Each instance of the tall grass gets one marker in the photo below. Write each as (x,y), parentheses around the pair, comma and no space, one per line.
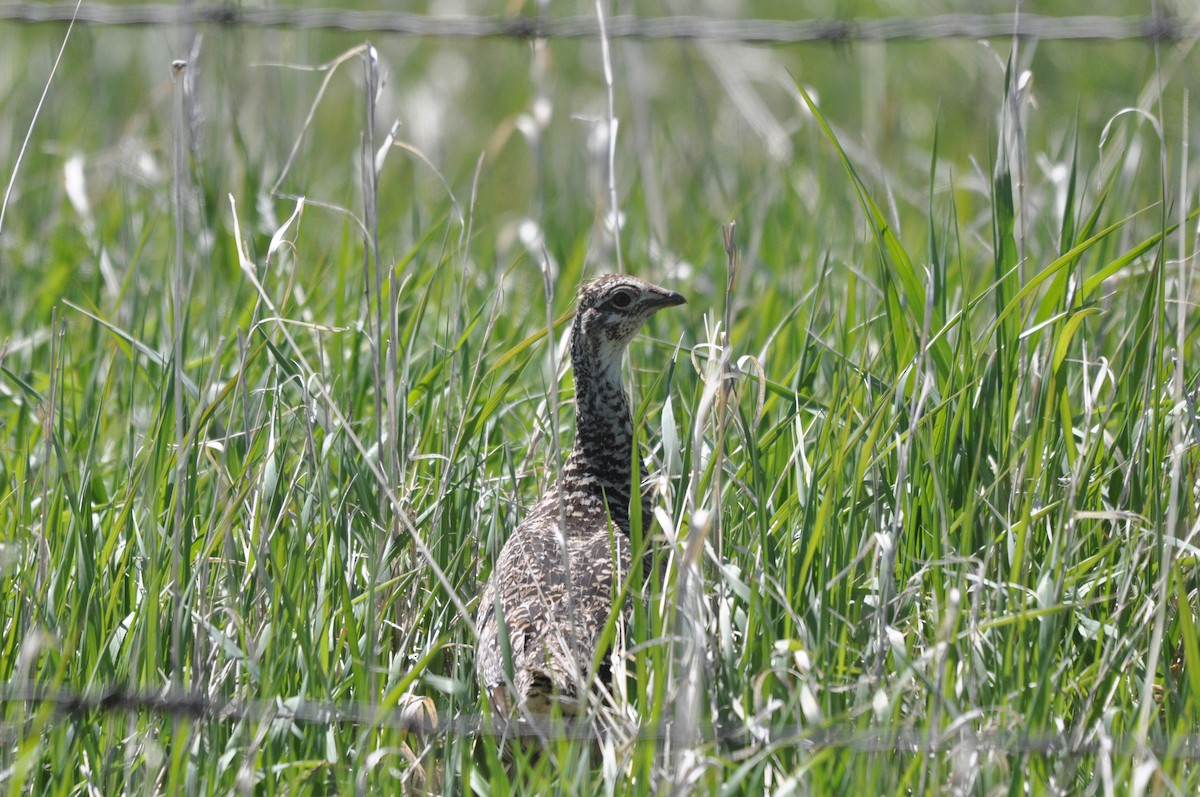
(925,447)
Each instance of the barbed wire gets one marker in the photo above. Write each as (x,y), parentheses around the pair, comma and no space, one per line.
(417,715)
(1155,27)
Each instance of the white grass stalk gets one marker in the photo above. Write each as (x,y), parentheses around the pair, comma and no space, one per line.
(37,110)
(614,209)
(180,295)
(1145,762)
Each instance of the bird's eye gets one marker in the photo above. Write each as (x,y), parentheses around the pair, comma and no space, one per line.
(622,300)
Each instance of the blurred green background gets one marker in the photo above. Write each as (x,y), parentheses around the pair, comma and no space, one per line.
(707,130)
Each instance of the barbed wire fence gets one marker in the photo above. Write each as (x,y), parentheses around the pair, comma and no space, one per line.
(1157,27)
(420,718)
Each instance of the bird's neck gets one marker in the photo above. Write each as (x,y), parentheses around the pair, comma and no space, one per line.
(599,466)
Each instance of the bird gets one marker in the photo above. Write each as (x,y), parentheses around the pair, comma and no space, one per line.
(550,593)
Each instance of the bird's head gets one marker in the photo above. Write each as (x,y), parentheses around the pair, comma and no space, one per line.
(613,308)
(611,311)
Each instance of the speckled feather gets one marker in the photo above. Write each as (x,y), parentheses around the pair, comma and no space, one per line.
(553,635)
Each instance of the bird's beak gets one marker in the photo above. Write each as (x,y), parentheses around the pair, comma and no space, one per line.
(669,299)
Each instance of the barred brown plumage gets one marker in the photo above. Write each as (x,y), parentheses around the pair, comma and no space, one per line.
(551,594)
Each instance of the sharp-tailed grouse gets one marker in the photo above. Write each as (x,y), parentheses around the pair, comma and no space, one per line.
(551,594)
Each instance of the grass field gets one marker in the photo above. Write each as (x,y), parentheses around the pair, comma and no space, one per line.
(926,468)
